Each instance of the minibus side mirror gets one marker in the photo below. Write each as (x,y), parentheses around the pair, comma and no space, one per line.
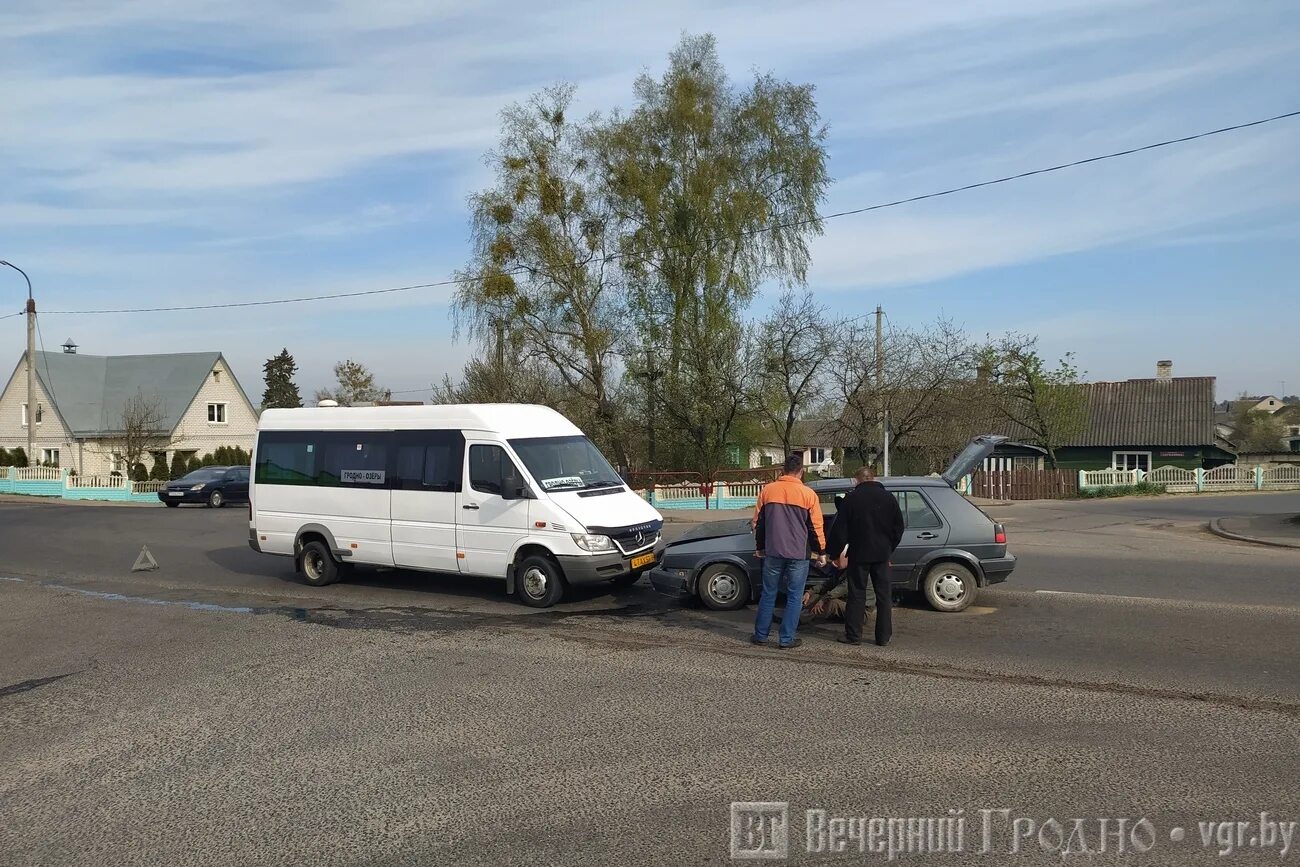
(512,487)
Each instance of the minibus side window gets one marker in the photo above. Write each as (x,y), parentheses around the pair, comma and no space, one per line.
(286,458)
(352,459)
(429,460)
(488,465)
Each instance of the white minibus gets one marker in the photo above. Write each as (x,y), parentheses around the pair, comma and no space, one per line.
(498,490)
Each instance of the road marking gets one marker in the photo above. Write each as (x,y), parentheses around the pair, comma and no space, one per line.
(1288,610)
(1109,596)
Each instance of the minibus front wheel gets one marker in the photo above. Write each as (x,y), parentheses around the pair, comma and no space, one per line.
(539,581)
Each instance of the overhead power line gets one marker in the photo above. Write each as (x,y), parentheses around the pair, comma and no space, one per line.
(782,225)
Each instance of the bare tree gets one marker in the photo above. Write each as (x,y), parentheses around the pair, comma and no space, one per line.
(791,358)
(144,429)
(917,384)
(489,380)
(355,384)
(1045,406)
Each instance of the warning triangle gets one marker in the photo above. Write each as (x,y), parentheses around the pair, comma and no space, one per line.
(145,562)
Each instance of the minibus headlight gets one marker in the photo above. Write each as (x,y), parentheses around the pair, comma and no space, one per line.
(593,543)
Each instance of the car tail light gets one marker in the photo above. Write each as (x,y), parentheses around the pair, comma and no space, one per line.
(999,534)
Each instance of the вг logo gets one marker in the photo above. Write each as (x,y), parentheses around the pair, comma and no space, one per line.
(760,830)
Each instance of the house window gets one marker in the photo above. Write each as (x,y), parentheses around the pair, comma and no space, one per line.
(1131,461)
(40,414)
(816,456)
(49,457)
(116,463)
(733,456)
(216,413)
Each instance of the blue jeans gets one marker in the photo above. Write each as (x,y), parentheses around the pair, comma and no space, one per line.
(778,572)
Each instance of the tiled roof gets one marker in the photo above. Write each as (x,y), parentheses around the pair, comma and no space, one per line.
(1149,412)
(90,391)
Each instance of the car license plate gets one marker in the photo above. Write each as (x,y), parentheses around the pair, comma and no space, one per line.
(643,560)
(175,493)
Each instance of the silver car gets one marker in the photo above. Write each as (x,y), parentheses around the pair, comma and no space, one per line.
(950,548)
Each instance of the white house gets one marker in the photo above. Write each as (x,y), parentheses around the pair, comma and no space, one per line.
(80,403)
(815,440)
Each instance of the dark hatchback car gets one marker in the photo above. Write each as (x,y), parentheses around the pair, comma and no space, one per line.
(212,486)
(949,550)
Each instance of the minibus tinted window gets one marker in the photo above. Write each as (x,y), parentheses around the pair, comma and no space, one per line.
(352,459)
(565,463)
(332,459)
(429,460)
(286,458)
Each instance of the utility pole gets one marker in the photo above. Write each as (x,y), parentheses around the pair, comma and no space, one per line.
(31,365)
(880,388)
(650,377)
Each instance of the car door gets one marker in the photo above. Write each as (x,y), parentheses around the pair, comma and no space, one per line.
(490,525)
(925,530)
(237,487)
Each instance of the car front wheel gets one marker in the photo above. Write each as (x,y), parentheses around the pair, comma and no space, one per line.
(949,587)
(216,500)
(723,588)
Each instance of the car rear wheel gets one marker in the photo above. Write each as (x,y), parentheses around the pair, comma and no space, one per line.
(216,500)
(723,588)
(949,587)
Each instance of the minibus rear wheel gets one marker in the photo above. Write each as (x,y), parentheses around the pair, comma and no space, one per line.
(317,565)
(539,581)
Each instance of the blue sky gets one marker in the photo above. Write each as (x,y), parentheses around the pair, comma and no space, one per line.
(158,152)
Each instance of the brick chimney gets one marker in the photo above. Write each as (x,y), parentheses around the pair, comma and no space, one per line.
(1164,369)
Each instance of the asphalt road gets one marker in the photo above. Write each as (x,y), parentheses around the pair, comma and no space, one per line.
(218,712)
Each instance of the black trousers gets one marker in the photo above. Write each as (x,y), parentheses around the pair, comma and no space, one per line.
(855,611)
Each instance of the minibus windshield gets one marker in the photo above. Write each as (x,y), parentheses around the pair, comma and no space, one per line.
(569,463)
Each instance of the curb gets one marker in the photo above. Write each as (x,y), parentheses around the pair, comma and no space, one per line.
(1217,529)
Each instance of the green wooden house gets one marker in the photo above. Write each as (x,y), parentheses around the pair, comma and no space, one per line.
(1147,423)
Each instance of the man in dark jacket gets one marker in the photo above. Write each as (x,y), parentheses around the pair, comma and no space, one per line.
(870,525)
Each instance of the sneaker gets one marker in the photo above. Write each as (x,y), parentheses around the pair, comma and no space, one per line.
(845,640)
(795,643)
(754,639)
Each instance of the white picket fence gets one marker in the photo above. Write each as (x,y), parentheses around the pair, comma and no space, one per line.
(108,481)
(1175,480)
(669,493)
(741,489)
(38,474)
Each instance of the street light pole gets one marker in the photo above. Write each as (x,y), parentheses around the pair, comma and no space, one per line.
(31,365)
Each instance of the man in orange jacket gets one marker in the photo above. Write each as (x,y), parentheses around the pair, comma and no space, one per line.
(787,532)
